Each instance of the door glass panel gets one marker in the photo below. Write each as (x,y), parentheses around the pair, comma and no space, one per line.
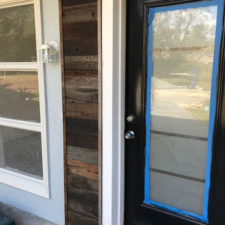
(180,106)
(19,96)
(17,34)
(20,151)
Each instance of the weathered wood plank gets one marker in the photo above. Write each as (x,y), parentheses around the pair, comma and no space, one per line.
(75,2)
(82,140)
(81,89)
(84,203)
(82,126)
(80,39)
(81,48)
(83,196)
(80,13)
(80,31)
(82,133)
(82,110)
(81,63)
(80,219)
(79,182)
(71,74)
(82,169)
(82,154)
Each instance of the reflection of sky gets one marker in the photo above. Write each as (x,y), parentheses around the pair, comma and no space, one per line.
(213,11)
(207,16)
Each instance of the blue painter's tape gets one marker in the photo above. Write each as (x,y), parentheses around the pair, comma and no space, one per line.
(152,11)
(186,6)
(178,211)
(148,105)
(213,97)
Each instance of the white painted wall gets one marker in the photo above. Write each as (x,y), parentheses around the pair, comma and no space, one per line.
(50,209)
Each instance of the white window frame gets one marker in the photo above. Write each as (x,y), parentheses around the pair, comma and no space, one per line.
(17,180)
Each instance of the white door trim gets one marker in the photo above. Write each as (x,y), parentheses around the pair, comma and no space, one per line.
(113,111)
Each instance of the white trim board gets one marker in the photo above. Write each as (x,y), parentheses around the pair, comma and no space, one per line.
(113,103)
(24,182)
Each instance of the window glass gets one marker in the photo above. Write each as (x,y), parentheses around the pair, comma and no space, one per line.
(20,151)
(181,77)
(19,95)
(17,34)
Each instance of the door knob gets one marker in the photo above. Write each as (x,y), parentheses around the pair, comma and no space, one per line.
(129,135)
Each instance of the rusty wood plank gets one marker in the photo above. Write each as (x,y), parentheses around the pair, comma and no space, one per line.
(82,169)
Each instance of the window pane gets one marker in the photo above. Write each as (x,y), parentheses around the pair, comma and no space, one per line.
(17,34)
(19,96)
(177,192)
(20,151)
(182,64)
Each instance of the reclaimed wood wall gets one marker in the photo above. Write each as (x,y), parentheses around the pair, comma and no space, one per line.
(80,53)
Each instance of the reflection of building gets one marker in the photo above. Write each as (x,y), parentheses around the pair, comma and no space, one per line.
(201,57)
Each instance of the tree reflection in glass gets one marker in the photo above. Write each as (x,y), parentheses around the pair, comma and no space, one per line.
(17,34)
(182,58)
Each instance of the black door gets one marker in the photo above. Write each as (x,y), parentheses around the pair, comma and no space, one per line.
(175,113)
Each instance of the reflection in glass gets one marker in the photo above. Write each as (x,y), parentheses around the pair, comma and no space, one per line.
(19,96)
(20,151)
(17,34)
(182,63)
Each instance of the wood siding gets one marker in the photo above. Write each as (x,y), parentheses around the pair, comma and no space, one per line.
(80,38)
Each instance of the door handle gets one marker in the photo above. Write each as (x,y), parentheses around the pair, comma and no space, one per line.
(129,135)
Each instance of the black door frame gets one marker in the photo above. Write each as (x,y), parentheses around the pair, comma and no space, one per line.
(135,211)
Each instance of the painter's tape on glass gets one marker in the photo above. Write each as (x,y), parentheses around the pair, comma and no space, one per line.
(183,52)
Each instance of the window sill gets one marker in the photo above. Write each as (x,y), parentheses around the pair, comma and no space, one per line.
(24,183)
